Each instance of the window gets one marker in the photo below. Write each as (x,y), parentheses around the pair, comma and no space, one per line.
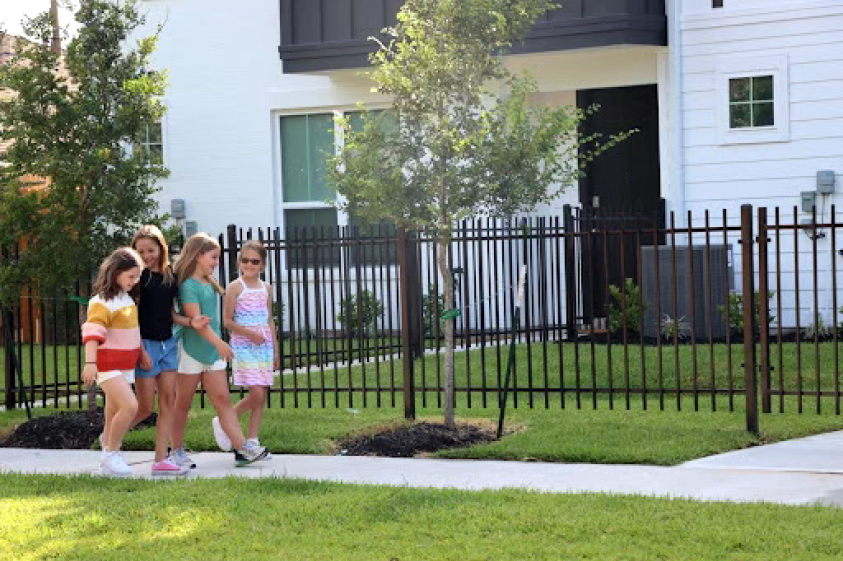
(751,102)
(307,198)
(305,142)
(152,144)
(307,229)
(717,3)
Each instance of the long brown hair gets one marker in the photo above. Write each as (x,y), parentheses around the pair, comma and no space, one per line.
(120,260)
(152,232)
(198,244)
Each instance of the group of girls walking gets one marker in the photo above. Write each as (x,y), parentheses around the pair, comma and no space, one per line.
(157,326)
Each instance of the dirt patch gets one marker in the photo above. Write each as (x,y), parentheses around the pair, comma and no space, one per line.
(412,440)
(74,430)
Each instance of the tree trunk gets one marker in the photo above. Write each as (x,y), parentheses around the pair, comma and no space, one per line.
(448,281)
(55,43)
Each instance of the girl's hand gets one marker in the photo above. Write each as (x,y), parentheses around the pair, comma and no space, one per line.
(276,363)
(199,322)
(89,374)
(145,360)
(255,337)
(224,349)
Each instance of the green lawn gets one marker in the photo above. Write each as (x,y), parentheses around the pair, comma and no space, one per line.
(84,518)
(604,430)
(593,436)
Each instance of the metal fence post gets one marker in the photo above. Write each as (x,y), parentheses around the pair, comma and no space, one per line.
(763,311)
(406,333)
(570,273)
(231,241)
(748,274)
(8,357)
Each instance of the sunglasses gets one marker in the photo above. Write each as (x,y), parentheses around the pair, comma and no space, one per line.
(245,260)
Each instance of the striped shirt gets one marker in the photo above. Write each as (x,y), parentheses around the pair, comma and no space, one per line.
(114,323)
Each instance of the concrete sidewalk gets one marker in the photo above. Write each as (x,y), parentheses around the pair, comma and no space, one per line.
(804,471)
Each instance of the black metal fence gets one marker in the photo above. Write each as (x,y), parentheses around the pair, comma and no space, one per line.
(620,311)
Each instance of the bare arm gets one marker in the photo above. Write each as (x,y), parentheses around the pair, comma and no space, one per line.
(194,322)
(275,345)
(191,311)
(228,306)
(89,374)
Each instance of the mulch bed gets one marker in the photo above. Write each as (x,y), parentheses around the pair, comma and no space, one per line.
(75,430)
(419,438)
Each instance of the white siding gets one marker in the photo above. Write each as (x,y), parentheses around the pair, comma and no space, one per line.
(718,176)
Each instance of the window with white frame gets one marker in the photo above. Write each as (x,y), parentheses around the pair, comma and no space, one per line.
(752,103)
(152,144)
(307,198)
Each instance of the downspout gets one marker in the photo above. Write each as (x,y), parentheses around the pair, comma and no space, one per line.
(677,164)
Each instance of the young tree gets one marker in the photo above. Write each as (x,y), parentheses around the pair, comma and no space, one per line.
(461,138)
(72,121)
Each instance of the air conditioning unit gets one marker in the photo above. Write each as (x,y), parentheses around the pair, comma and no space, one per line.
(713,279)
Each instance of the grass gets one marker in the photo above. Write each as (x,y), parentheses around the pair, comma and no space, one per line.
(582,426)
(607,436)
(82,518)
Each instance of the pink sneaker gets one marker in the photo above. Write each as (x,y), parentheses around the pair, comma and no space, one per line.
(168,467)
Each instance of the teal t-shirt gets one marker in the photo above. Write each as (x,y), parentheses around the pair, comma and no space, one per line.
(193,291)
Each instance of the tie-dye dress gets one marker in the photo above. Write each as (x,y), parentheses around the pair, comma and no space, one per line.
(252,364)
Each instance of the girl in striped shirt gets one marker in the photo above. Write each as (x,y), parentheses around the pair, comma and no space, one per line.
(112,347)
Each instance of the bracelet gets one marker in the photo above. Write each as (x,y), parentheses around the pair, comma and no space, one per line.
(90,363)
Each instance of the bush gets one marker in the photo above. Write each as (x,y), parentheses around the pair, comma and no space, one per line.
(631,317)
(353,314)
(735,306)
(430,305)
(674,329)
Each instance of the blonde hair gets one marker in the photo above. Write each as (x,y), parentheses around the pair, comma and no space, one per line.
(198,244)
(152,232)
(120,260)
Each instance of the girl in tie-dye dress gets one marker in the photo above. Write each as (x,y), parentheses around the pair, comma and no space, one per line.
(248,316)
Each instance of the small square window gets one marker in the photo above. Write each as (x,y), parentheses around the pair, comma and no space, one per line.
(151,146)
(751,102)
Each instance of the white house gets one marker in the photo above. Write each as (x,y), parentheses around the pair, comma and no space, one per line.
(737,101)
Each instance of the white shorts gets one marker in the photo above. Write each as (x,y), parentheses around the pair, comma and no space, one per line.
(189,365)
(109,374)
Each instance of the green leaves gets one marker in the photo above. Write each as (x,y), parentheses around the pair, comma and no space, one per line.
(74,124)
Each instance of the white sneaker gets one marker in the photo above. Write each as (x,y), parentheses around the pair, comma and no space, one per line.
(182,459)
(219,435)
(255,443)
(248,455)
(114,464)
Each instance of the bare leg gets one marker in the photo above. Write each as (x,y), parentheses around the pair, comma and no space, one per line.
(145,389)
(216,385)
(185,390)
(243,406)
(108,417)
(119,392)
(166,406)
(257,394)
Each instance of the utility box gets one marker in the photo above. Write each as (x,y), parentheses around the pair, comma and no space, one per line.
(809,201)
(177,208)
(706,294)
(825,182)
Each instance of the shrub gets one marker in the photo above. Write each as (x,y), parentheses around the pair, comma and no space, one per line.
(735,305)
(674,329)
(364,313)
(431,303)
(631,317)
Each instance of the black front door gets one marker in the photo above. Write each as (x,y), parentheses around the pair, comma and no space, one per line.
(621,188)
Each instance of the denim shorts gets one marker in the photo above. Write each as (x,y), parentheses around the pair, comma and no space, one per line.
(164,355)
